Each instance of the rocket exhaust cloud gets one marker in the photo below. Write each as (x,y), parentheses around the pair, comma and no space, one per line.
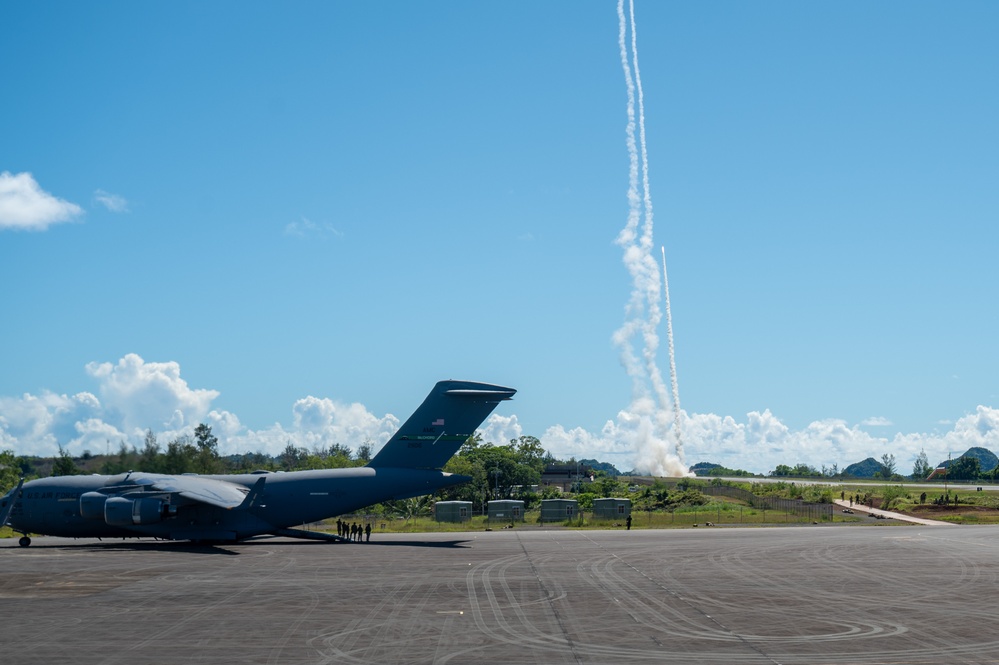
(648,418)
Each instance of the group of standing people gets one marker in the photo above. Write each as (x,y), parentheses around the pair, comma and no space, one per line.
(353,532)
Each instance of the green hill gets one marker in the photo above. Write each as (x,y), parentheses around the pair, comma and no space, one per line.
(986,459)
(607,467)
(864,469)
(704,468)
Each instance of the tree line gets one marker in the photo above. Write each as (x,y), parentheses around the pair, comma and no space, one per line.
(185,454)
(965,467)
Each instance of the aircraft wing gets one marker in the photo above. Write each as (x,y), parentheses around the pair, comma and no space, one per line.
(198,488)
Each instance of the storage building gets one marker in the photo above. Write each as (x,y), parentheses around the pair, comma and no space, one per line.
(506,510)
(453,511)
(559,510)
(607,509)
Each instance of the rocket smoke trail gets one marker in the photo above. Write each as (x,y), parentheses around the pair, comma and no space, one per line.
(672,363)
(648,415)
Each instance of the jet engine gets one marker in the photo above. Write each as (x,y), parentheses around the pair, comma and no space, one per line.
(119,511)
(92,505)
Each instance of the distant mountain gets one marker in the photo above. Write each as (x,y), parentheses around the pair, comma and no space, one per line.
(601,466)
(704,468)
(987,460)
(864,469)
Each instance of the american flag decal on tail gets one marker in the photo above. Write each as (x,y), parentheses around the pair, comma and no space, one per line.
(438,423)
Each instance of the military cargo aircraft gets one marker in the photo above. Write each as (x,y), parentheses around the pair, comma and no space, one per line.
(227,508)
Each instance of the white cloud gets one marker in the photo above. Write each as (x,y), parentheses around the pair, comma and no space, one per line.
(320,423)
(224,425)
(46,420)
(140,395)
(133,395)
(25,205)
(112,202)
(97,436)
(876,421)
(317,423)
(306,228)
(762,441)
(978,429)
(501,429)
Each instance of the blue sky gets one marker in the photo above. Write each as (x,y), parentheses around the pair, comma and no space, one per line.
(290,220)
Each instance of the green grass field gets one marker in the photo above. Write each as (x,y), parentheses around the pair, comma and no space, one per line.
(720,512)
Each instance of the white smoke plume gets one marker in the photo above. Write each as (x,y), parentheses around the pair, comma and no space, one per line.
(649,414)
(674,384)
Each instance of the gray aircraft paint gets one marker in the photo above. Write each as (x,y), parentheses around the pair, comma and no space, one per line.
(235,507)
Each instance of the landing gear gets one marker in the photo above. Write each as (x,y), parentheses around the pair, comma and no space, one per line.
(24,541)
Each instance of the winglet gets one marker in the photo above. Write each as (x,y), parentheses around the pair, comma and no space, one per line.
(253,494)
(14,496)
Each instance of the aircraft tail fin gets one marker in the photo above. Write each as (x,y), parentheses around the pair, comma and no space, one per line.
(448,416)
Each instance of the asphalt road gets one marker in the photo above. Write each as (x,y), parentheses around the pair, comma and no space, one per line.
(825,594)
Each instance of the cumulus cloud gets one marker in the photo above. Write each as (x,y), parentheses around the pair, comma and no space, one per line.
(501,429)
(95,435)
(133,395)
(112,202)
(47,420)
(980,428)
(317,423)
(760,441)
(320,423)
(141,395)
(25,205)
(876,421)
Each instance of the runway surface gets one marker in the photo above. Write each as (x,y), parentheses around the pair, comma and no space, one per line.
(903,594)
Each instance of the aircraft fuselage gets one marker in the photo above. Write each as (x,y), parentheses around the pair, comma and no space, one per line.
(234,507)
(53,505)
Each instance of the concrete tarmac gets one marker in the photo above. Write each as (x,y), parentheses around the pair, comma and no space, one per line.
(810,595)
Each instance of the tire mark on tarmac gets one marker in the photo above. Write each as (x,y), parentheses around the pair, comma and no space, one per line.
(344,647)
(107,605)
(552,606)
(128,654)
(603,586)
(368,639)
(490,576)
(290,632)
(635,590)
(733,566)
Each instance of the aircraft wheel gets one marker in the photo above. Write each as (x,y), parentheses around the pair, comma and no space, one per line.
(24,541)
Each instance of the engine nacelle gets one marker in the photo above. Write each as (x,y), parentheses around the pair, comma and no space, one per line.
(92,505)
(119,511)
